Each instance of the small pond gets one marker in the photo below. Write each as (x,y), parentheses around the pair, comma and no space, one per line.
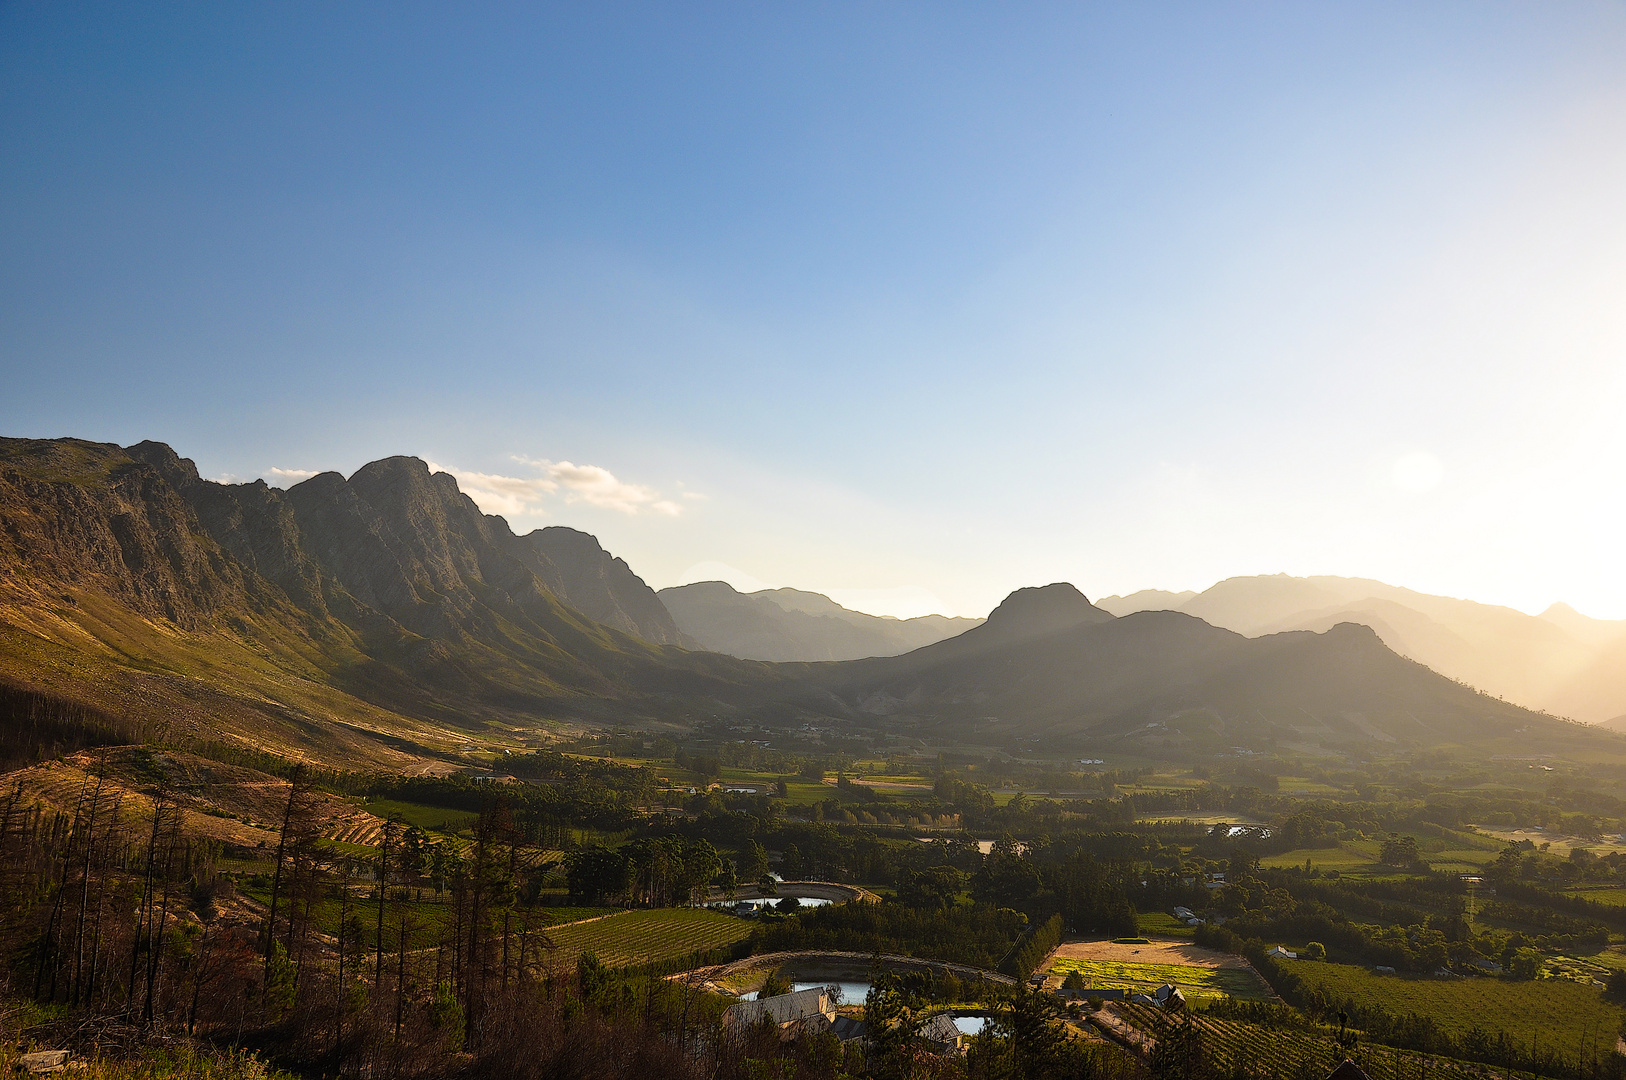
(970,1025)
(771,901)
(852,993)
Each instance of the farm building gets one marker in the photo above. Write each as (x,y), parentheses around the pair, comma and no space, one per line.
(940,1034)
(793,1014)
(1169,996)
(1278,953)
(849,1029)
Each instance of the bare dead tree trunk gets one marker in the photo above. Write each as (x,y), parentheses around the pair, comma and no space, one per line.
(276,877)
(101,899)
(155,950)
(383,887)
(84,891)
(144,909)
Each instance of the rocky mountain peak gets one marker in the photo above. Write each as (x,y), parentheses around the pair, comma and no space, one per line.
(1043,609)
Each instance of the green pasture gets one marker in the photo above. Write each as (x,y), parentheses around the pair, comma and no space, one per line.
(1194,982)
(1295,785)
(1349,856)
(1162,924)
(1613,895)
(432,818)
(1556,1013)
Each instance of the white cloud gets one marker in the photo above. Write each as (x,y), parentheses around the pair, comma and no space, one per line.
(590,484)
(498,494)
(289,477)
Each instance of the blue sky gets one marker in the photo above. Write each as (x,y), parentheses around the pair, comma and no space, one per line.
(910,305)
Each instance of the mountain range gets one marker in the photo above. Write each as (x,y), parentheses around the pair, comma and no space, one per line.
(789,624)
(1049,671)
(382,620)
(386,602)
(1559,661)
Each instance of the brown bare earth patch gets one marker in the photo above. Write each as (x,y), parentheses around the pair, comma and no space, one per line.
(1159,951)
(221,802)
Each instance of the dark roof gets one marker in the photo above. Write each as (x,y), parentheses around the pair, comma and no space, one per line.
(1349,1071)
(848,1028)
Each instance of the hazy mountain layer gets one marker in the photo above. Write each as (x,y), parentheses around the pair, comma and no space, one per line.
(789,624)
(1560,661)
(1050,672)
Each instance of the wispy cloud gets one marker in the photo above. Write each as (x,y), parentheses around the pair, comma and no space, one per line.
(590,484)
(287,477)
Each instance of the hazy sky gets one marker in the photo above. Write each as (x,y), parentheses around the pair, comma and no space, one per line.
(912,306)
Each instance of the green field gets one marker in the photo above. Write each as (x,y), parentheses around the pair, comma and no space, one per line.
(424,817)
(1162,924)
(646,937)
(1349,855)
(1612,895)
(1555,1013)
(1239,1048)
(1194,982)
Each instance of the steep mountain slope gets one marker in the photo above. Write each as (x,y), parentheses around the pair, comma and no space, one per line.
(1559,661)
(386,602)
(791,625)
(1156,683)
(603,587)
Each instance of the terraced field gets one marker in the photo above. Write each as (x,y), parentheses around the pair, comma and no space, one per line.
(634,938)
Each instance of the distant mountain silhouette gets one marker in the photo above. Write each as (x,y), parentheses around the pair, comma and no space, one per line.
(1156,683)
(1560,661)
(792,625)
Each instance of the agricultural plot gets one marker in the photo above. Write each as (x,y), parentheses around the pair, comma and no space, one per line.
(1557,843)
(1560,1014)
(1613,895)
(1195,983)
(1344,858)
(1246,1048)
(1163,924)
(1198,819)
(432,818)
(1269,1053)
(658,935)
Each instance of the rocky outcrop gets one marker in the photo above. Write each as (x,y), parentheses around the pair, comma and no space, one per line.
(601,586)
(87,515)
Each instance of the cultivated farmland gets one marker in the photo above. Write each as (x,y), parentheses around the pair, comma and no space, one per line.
(1194,982)
(1275,1053)
(1197,971)
(658,935)
(1549,1014)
